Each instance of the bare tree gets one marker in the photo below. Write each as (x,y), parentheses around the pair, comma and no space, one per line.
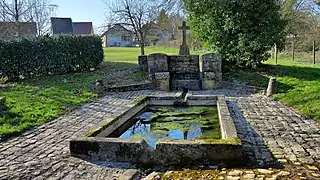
(138,15)
(38,11)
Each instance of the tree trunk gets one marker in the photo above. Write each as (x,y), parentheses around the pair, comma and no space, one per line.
(142,48)
(16,11)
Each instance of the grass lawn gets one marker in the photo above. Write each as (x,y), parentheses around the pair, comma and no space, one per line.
(130,55)
(298,83)
(33,102)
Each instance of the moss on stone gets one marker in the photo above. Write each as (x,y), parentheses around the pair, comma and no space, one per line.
(140,100)
(170,118)
(190,174)
(223,141)
(91,133)
(103,126)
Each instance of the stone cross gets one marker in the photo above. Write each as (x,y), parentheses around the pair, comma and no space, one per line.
(184,29)
(184,49)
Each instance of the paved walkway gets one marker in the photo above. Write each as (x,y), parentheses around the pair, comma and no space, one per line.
(271,129)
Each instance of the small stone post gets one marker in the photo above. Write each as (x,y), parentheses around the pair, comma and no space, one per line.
(272,87)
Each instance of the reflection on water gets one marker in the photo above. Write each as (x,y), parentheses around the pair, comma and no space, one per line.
(151,133)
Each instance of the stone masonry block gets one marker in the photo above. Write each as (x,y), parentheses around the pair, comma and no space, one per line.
(184,64)
(211,80)
(162,81)
(143,63)
(211,62)
(157,63)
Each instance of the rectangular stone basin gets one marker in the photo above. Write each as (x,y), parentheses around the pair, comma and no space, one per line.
(116,141)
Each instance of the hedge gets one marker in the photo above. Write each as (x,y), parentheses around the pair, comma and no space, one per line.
(44,56)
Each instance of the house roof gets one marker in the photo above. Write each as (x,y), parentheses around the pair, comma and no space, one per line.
(116,26)
(82,28)
(61,25)
(11,30)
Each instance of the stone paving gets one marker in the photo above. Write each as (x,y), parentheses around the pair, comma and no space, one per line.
(273,136)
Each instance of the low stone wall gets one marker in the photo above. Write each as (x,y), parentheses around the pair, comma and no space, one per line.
(108,149)
(143,63)
(100,146)
(166,152)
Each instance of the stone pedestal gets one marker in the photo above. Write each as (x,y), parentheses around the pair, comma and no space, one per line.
(161,81)
(209,81)
(184,50)
(212,71)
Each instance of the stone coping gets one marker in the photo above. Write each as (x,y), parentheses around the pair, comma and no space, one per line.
(102,143)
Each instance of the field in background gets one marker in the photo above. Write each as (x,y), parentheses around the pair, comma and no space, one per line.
(299,59)
(130,54)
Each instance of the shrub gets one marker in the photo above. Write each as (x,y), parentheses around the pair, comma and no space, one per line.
(43,56)
(243,31)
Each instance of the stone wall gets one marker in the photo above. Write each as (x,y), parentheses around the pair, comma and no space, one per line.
(185,72)
(143,63)
(177,72)
(184,64)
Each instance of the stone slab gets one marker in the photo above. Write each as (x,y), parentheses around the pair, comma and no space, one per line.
(184,64)
(157,62)
(130,174)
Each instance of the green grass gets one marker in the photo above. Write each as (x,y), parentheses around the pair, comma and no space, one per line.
(298,83)
(33,102)
(130,55)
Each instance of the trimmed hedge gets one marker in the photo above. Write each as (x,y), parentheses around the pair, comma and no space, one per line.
(44,56)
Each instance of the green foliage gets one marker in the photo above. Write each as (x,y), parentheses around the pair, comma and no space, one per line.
(43,56)
(243,31)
